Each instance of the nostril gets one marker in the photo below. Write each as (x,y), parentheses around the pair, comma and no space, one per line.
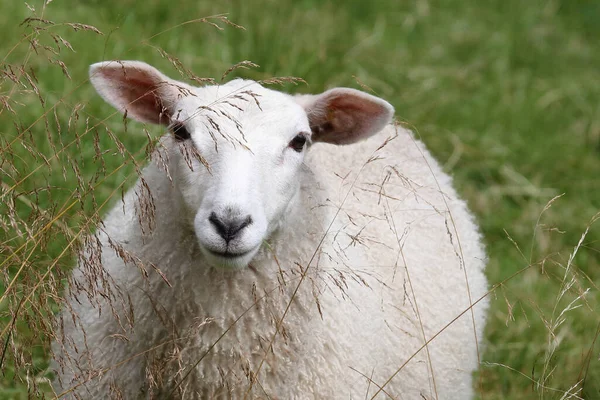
(244,223)
(230,227)
(218,224)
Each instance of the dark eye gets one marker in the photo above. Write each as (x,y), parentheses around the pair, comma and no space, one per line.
(298,142)
(180,131)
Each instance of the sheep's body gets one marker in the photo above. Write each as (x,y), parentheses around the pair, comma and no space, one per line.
(391,273)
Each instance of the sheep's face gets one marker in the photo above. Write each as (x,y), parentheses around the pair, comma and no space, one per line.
(241,147)
(249,144)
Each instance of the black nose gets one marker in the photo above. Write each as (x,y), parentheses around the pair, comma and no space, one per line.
(228,228)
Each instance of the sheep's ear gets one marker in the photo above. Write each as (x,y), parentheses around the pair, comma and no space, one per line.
(137,89)
(344,116)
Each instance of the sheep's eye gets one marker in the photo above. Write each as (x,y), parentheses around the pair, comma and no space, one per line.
(180,131)
(298,142)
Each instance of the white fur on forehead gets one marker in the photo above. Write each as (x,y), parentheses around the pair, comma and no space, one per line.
(253,93)
(242,100)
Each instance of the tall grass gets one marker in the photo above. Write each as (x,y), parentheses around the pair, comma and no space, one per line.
(505,93)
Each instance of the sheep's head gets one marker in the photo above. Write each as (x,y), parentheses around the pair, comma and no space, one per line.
(248,145)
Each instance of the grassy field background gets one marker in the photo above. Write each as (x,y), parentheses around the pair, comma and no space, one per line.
(506,94)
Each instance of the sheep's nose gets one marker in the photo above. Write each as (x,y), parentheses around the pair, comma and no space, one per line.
(229,228)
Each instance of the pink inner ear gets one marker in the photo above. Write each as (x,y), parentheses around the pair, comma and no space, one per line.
(345,116)
(134,88)
(143,101)
(357,106)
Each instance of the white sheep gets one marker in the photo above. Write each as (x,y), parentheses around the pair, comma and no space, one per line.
(257,258)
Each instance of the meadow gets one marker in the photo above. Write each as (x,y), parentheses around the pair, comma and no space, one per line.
(506,95)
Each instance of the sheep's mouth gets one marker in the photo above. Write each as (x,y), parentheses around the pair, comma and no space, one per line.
(228,254)
(229,259)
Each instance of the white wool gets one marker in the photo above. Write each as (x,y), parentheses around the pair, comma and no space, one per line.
(375,248)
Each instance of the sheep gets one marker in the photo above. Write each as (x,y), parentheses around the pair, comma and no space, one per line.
(276,246)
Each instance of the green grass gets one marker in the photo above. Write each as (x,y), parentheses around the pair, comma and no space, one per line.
(506,94)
